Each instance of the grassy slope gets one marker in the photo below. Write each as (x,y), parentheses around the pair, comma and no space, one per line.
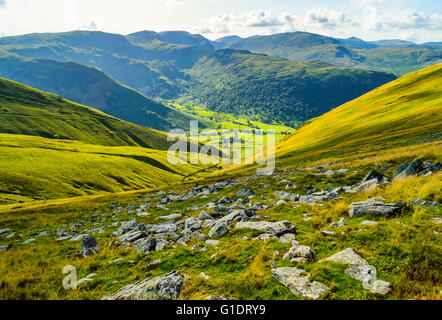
(35,168)
(25,110)
(405,110)
(53,148)
(91,87)
(405,249)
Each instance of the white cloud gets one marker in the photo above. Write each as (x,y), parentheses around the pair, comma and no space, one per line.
(326,19)
(271,21)
(364,3)
(91,27)
(372,20)
(412,19)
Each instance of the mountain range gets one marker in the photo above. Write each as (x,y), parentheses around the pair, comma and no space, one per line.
(173,66)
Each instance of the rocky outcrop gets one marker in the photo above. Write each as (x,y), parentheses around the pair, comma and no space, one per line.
(166,287)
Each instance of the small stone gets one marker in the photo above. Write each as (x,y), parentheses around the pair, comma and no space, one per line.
(299,283)
(419,202)
(89,246)
(299,254)
(205,276)
(218,231)
(287,238)
(203,216)
(127,227)
(217,298)
(381,287)
(29,241)
(166,287)
(369,223)
(153,264)
(4,231)
(5,248)
(212,242)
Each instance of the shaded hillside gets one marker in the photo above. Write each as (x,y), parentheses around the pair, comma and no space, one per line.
(28,111)
(277,89)
(90,86)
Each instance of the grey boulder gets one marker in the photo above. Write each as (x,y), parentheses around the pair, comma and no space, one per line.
(376,208)
(166,287)
(219,230)
(299,283)
(89,246)
(277,228)
(299,254)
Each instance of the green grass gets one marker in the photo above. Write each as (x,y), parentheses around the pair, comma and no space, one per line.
(28,111)
(405,250)
(401,112)
(38,168)
(92,87)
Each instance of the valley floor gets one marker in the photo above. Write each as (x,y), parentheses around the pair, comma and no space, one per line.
(260,256)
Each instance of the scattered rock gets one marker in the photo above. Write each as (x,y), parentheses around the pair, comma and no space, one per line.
(369,223)
(287,238)
(368,185)
(381,287)
(172,216)
(419,202)
(277,228)
(436,220)
(339,224)
(29,241)
(299,283)
(299,254)
(203,216)
(5,248)
(89,246)
(327,233)
(219,230)
(217,298)
(133,236)
(4,231)
(153,264)
(127,227)
(192,224)
(88,278)
(143,214)
(212,242)
(264,237)
(245,193)
(406,170)
(205,276)
(359,269)
(166,287)
(376,208)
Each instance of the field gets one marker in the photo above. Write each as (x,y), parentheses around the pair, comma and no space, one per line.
(396,123)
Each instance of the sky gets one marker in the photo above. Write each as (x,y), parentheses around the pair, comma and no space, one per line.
(413,20)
